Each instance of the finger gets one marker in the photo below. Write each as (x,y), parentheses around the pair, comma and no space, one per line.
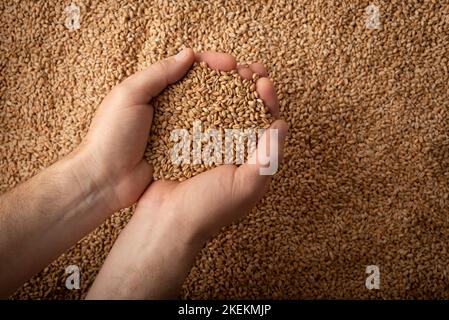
(217,60)
(259,68)
(245,72)
(253,176)
(142,86)
(267,93)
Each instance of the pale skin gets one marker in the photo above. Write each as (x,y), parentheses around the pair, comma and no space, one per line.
(47,214)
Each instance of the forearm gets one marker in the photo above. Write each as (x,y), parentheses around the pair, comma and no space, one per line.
(44,216)
(154,266)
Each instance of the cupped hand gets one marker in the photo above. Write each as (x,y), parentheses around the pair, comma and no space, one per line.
(172,221)
(211,200)
(113,150)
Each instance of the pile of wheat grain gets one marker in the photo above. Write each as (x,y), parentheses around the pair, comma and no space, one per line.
(366,170)
(211,100)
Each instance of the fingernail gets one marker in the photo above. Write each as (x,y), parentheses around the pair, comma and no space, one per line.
(181,55)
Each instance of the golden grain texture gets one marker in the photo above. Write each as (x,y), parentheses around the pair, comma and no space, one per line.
(365,177)
(217,100)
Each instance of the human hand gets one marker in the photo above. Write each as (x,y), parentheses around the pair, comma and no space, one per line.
(64,202)
(112,152)
(172,221)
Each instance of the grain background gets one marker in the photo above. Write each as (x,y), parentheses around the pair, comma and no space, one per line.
(366,171)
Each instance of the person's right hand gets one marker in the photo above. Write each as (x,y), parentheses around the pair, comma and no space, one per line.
(173,220)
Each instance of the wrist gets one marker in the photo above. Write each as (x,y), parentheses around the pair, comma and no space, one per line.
(170,222)
(87,181)
(150,259)
(56,208)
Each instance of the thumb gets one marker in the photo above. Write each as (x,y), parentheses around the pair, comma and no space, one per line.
(142,86)
(252,178)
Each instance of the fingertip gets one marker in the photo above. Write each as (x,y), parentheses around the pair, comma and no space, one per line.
(140,87)
(186,55)
(245,72)
(265,89)
(282,128)
(259,68)
(217,60)
(279,128)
